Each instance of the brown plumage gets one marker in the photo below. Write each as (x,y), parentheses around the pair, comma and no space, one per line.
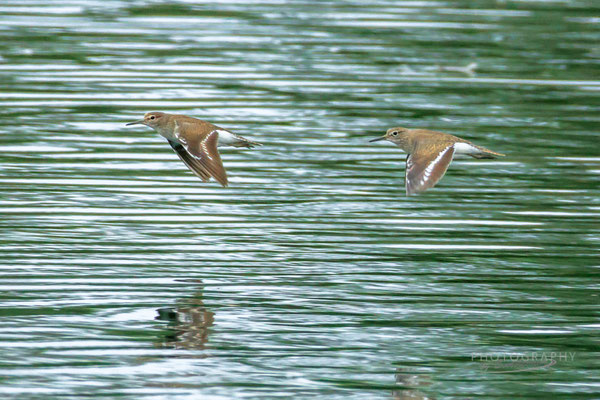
(195,141)
(429,154)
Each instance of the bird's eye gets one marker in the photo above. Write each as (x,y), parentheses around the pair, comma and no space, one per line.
(152,117)
(395,133)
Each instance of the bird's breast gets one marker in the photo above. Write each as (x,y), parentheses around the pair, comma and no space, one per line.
(170,132)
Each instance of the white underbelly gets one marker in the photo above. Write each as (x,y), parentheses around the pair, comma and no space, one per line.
(226,138)
(465,148)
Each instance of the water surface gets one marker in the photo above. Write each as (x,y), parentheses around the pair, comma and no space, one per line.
(312,275)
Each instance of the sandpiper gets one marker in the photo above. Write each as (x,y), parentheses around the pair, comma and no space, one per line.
(195,142)
(430,154)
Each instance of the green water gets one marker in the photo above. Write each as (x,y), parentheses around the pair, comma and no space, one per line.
(312,275)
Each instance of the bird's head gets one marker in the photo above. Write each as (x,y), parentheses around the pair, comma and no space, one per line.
(151,119)
(395,135)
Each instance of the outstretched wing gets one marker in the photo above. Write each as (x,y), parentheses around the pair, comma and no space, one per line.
(202,155)
(424,169)
(192,163)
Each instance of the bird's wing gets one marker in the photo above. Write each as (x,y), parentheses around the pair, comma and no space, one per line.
(192,163)
(203,150)
(425,169)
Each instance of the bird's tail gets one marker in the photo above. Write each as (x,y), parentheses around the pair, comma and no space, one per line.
(485,153)
(243,142)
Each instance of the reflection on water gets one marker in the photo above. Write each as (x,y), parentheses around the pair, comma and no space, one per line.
(411,385)
(322,276)
(188,324)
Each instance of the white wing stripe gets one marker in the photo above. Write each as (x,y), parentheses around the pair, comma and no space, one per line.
(203,148)
(203,144)
(432,165)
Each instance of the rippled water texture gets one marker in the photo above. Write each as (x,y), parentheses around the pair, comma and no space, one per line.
(312,275)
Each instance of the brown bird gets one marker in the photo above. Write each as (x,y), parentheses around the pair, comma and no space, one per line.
(195,142)
(430,154)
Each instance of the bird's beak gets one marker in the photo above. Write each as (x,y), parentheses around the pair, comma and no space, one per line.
(378,139)
(141,121)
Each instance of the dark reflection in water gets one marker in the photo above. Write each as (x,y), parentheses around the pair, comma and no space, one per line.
(188,323)
(411,386)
